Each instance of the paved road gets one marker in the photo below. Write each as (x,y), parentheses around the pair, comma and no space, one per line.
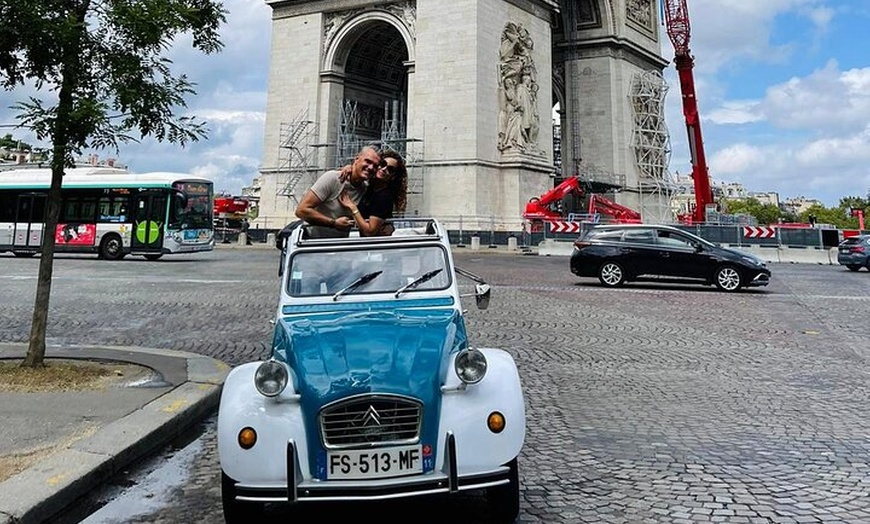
(646,404)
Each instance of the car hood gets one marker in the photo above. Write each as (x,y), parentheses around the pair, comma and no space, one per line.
(737,255)
(348,352)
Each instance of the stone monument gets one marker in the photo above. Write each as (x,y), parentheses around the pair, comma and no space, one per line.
(465,89)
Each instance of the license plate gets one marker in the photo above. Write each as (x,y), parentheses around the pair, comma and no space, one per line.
(374,463)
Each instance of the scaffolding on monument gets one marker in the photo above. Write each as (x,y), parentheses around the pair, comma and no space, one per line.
(297,156)
(298,166)
(651,145)
(393,136)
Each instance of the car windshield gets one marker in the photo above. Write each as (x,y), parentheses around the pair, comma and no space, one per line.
(331,272)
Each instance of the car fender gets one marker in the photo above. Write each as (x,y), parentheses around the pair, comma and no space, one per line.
(276,420)
(464,413)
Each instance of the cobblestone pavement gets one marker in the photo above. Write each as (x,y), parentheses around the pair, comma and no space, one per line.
(646,404)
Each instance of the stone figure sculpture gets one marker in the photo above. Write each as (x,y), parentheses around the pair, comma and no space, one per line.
(519,121)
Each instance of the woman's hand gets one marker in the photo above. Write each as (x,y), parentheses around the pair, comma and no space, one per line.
(344,176)
(345,200)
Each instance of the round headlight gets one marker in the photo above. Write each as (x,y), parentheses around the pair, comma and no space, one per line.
(470,366)
(270,378)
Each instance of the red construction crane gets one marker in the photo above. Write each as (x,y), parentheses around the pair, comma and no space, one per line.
(677,22)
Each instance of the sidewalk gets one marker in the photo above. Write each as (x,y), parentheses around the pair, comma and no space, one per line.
(82,438)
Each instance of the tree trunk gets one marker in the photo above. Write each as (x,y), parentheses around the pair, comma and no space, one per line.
(60,136)
(36,351)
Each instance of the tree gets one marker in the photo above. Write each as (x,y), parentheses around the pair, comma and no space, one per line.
(764,213)
(101,63)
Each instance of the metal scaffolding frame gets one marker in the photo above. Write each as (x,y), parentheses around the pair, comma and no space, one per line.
(298,150)
(652,147)
(297,156)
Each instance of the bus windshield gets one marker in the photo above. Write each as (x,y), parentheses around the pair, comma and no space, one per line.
(191,207)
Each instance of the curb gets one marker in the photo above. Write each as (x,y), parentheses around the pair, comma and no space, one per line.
(51,485)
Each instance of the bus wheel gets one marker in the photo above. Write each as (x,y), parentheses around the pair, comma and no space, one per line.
(153,256)
(110,248)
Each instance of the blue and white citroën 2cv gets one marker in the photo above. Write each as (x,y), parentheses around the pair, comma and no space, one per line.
(372,390)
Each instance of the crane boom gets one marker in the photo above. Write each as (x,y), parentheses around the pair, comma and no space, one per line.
(679,32)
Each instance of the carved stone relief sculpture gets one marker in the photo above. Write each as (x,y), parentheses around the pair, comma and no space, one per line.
(640,12)
(408,13)
(519,122)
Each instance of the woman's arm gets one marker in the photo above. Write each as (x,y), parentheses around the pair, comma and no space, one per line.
(367,227)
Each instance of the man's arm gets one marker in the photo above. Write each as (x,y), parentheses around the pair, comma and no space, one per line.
(307,210)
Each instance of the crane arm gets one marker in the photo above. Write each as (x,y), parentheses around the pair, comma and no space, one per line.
(679,32)
(539,207)
(618,212)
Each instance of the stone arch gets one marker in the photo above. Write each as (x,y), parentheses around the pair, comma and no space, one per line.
(365,79)
(341,45)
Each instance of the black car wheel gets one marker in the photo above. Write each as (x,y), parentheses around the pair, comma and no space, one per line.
(611,274)
(853,267)
(727,278)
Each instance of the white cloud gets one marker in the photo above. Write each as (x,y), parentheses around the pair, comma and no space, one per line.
(736,112)
(737,159)
(827,99)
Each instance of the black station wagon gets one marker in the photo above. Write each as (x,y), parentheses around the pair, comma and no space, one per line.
(632,252)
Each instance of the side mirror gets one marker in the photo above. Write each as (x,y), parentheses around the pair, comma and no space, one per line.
(482,290)
(481,295)
(182,198)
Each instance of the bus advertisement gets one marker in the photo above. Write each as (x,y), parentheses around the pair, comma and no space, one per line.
(108,211)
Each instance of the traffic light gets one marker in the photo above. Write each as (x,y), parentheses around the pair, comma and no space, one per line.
(812,219)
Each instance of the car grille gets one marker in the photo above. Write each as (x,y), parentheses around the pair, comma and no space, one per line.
(371,420)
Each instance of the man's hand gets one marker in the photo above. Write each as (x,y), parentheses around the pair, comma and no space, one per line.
(343,223)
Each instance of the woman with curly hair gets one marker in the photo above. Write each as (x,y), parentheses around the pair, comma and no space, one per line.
(387,194)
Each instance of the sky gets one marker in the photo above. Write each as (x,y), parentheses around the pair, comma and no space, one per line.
(783,91)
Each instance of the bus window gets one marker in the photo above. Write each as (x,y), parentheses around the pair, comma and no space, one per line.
(88,210)
(112,209)
(31,208)
(69,211)
(8,201)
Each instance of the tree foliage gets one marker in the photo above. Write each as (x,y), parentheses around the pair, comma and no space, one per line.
(764,213)
(102,78)
(839,216)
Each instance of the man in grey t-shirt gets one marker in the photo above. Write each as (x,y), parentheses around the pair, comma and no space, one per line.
(320,207)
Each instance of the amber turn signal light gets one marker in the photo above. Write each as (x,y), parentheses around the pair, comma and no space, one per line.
(495,421)
(247,438)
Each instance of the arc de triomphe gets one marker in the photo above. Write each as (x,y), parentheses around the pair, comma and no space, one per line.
(466,89)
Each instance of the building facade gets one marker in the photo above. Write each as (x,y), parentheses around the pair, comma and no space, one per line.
(466,89)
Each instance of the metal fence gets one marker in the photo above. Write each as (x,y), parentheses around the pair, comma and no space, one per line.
(734,235)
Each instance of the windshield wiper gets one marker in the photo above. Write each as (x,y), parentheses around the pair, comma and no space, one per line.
(365,279)
(425,277)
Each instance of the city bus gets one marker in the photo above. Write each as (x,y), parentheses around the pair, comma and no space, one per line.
(108,211)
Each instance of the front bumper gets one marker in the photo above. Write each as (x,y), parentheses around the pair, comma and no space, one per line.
(760,279)
(445,481)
